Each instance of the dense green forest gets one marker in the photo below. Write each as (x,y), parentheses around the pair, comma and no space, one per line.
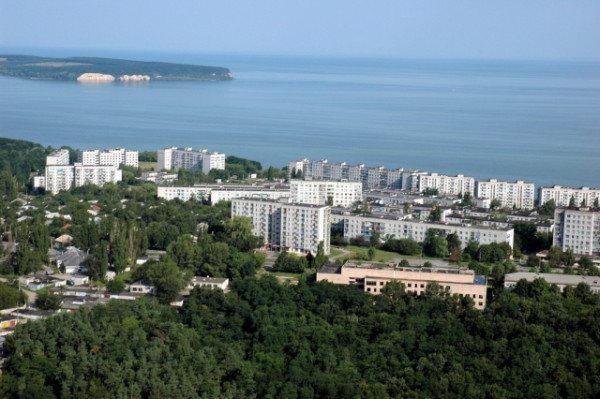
(31,67)
(18,160)
(316,340)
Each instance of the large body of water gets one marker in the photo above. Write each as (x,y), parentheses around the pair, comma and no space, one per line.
(534,121)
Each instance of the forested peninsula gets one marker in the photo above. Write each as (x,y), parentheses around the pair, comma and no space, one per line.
(73,68)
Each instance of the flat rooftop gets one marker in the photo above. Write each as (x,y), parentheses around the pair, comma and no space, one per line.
(554,278)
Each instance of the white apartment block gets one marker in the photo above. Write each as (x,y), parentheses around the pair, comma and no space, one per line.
(321,192)
(365,226)
(518,194)
(286,226)
(59,177)
(217,193)
(372,277)
(447,185)
(97,175)
(187,158)
(63,177)
(58,157)
(577,229)
(583,196)
(114,157)
(370,177)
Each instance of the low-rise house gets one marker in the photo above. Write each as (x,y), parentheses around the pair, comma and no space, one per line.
(64,239)
(40,281)
(71,260)
(142,287)
(209,282)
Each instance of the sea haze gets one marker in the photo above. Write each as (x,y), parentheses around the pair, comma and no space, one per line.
(535,121)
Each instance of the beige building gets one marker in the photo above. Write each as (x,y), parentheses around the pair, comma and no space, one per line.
(373,277)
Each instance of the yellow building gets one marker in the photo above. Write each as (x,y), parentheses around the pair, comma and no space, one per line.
(372,277)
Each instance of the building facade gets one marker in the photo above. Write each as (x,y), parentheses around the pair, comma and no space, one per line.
(217,192)
(373,277)
(187,158)
(322,192)
(286,226)
(58,157)
(518,194)
(390,225)
(577,229)
(447,185)
(113,157)
(583,196)
(370,177)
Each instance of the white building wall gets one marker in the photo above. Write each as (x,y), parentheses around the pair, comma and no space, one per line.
(517,194)
(577,229)
(447,185)
(97,175)
(583,196)
(59,177)
(58,157)
(357,225)
(285,226)
(317,192)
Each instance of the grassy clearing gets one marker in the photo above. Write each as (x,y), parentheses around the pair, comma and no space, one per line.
(380,255)
(294,276)
(147,165)
(335,252)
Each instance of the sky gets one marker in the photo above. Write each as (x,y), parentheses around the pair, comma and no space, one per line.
(506,29)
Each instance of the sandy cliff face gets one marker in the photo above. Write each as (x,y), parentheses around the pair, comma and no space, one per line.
(95,77)
(134,77)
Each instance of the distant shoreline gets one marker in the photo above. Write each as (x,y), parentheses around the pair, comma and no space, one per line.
(106,69)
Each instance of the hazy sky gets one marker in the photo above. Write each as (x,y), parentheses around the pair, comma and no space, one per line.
(532,29)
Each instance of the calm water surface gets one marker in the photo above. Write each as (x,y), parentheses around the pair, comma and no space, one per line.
(537,121)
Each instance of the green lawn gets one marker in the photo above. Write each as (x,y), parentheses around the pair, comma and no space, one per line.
(295,276)
(335,252)
(380,255)
(384,256)
(147,165)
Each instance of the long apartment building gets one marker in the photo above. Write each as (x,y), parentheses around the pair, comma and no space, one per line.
(518,194)
(59,175)
(577,229)
(366,225)
(370,177)
(373,277)
(114,157)
(175,158)
(326,192)
(583,196)
(287,226)
(447,185)
(219,192)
